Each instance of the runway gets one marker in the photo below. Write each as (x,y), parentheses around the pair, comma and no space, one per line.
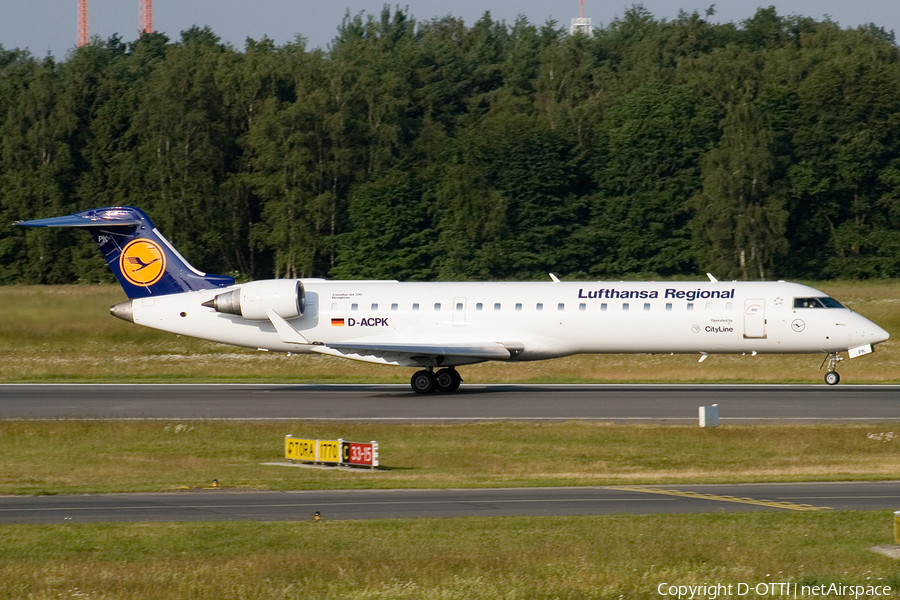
(476,402)
(219,505)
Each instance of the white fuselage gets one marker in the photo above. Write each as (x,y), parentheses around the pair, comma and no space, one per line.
(543,320)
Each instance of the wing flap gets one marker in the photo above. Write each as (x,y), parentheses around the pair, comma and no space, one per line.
(485,351)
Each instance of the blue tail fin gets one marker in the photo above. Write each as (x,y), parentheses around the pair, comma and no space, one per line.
(144,262)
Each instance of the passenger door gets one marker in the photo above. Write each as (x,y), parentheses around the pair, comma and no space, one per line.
(754,318)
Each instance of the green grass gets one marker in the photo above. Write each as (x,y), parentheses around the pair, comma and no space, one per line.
(609,557)
(49,457)
(65,333)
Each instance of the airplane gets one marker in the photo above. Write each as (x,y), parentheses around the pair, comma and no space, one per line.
(439,326)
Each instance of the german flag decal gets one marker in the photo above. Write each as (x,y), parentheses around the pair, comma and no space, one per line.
(337,322)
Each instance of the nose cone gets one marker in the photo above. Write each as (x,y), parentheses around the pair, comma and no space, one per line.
(870,333)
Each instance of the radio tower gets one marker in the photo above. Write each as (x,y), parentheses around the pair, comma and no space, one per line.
(146,10)
(84,28)
(580,24)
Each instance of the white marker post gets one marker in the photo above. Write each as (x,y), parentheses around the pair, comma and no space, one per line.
(709,416)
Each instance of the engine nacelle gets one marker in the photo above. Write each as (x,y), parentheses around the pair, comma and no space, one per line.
(285,296)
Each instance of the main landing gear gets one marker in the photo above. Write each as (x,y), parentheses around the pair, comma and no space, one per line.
(427,381)
(832,377)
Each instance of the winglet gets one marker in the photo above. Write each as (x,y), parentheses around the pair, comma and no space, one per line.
(286,332)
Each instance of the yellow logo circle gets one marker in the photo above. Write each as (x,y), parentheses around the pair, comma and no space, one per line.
(142,262)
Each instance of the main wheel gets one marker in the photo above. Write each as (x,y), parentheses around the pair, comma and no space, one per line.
(832,378)
(423,382)
(448,380)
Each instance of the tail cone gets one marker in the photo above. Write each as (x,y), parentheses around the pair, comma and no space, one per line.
(123,310)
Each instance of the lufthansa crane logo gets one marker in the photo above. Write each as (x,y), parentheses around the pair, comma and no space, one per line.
(142,262)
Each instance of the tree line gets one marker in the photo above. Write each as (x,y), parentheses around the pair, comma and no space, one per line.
(437,151)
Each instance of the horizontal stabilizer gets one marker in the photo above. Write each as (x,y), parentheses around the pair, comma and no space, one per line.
(101,217)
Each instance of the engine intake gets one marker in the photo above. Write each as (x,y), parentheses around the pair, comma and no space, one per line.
(285,296)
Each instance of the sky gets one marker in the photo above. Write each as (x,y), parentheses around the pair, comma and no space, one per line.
(49,26)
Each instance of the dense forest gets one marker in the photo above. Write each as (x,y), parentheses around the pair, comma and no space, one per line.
(431,150)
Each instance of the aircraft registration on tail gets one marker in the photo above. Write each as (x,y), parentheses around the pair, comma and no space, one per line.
(437,327)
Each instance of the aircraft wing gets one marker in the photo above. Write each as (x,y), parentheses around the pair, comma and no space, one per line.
(487,351)
(420,355)
(398,352)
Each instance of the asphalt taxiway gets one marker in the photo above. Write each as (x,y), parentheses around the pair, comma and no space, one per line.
(222,505)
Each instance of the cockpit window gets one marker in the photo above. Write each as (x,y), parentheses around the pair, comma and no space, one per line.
(817,303)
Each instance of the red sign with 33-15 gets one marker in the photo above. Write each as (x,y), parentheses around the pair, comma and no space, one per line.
(354,453)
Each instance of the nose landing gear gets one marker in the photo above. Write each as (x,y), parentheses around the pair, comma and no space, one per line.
(427,382)
(832,377)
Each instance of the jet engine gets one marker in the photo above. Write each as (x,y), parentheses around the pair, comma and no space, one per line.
(285,296)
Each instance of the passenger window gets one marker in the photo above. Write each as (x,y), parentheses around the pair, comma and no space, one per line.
(708,307)
(603,307)
(459,306)
(669,306)
(561,306)
(518,306)
(625,307)
(334,306)
(582,306)
(646,306)
(354,306)
(690,306)
(729,306)
(539,306)
(437,306)
(374,306)
(416,306)
(496,306)
(479,306)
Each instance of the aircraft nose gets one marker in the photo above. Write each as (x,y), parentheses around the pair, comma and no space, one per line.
(864,331)
(880,334)
(871,333)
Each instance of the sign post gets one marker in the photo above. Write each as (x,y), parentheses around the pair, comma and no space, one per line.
(335,452)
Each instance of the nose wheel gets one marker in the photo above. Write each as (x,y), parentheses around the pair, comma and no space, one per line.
(832,377)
